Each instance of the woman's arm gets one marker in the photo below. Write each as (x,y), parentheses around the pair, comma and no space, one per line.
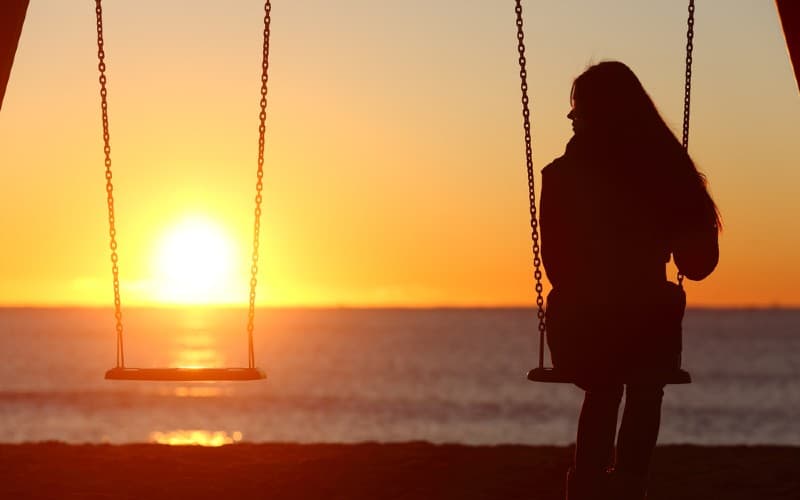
(696,251)
(695,244)
(556,244)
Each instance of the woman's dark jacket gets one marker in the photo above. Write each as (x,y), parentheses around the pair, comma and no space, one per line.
(610,219)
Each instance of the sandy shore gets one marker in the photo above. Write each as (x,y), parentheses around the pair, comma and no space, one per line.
(372,471)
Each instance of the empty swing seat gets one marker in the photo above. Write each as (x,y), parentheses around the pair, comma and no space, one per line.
(120,371)
(185,374)
(560,377)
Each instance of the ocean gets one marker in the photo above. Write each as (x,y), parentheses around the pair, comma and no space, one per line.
(353,375)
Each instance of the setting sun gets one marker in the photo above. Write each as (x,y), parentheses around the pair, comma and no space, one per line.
(195,263)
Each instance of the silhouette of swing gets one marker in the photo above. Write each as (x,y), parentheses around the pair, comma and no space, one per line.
(550,374)
(120,371)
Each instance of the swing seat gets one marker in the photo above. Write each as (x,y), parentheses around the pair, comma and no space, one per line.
(555,376)
(120,372)
(185,374)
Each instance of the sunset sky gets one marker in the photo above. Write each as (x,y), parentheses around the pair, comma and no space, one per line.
(394,169)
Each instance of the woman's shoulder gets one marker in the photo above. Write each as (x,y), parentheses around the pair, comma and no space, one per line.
(564,163)
(564,167)
(554,167)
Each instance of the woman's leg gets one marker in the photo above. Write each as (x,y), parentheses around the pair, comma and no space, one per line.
(639,430)
(637,436)
(597,426)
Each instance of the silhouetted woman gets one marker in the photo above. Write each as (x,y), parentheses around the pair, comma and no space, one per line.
(623,198)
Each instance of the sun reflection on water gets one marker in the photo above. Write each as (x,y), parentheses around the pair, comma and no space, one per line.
(197,350)
(195,437)
(192,391)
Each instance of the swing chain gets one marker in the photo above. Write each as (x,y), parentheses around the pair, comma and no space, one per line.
(262,116)
(688,83)
(112,231)
(687,88)
(526,116)
(110,188)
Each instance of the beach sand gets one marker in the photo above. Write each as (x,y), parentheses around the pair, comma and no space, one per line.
(372,471)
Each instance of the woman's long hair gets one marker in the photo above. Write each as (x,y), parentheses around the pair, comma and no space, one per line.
(617,110)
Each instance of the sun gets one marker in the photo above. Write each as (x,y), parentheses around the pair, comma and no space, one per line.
(195,263)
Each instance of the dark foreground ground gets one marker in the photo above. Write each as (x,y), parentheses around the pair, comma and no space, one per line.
(373,471)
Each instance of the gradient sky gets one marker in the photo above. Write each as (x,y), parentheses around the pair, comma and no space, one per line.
(395,163)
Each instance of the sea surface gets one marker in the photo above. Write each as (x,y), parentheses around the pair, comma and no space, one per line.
(350,375)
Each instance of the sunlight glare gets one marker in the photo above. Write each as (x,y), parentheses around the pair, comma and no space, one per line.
(196,263)
(195,437)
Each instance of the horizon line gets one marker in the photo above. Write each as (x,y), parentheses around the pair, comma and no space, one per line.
(385,307)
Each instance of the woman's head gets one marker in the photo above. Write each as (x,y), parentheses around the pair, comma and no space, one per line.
(608,99)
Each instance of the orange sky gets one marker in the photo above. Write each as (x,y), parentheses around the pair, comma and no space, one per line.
(395,171)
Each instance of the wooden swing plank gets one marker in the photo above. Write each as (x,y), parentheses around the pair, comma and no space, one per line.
(185,374)
(551,375)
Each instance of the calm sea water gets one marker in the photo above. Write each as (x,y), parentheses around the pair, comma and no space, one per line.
(382,375)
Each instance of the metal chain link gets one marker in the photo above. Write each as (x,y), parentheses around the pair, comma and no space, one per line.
(262,116)
(112,231)
(110,188)
(687,88)
(688,82)
(526,116)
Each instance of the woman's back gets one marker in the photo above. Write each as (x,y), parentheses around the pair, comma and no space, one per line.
(604,224)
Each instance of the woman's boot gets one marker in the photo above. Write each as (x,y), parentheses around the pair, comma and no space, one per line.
(628,487)
(587,486)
